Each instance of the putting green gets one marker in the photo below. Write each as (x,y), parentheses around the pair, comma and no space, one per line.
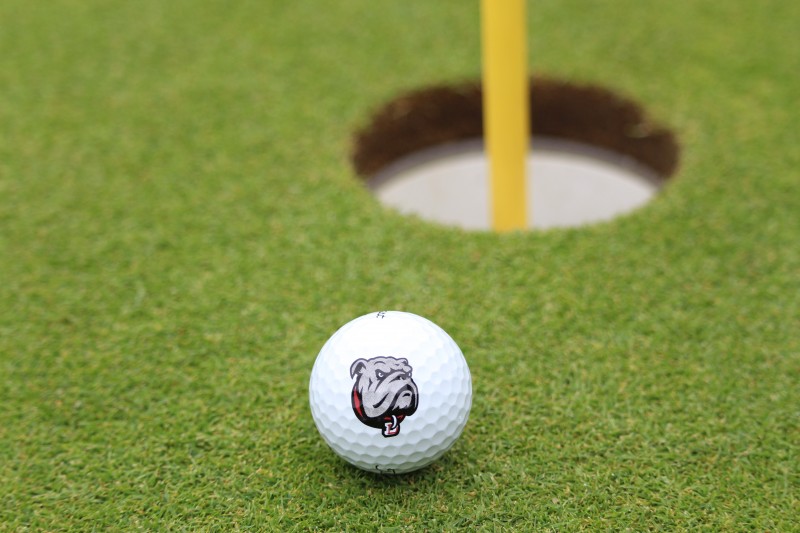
(181,230)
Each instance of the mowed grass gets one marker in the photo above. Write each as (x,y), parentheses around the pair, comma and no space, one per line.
(181,231)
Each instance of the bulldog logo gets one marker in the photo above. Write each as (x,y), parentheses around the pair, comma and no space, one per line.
(384,393)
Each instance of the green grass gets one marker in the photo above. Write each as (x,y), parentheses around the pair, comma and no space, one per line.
(180,232)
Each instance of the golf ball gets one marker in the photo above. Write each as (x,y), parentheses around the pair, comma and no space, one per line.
(390,392)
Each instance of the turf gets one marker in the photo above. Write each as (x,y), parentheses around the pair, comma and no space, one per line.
(181,230)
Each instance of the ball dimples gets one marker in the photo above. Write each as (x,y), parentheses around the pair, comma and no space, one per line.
(390,392)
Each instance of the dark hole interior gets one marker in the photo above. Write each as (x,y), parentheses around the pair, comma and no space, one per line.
(447,113)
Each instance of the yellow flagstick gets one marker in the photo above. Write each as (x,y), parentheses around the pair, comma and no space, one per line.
(505,109)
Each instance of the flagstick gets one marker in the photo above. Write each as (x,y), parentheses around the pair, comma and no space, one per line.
(505,109)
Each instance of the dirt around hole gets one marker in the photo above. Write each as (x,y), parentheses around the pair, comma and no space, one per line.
(585,113)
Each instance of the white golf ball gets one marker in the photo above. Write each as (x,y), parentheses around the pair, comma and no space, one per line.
(390,392)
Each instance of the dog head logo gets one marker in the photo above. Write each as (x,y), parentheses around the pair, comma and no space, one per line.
(384,393)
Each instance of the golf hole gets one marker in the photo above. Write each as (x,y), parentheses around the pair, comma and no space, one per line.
(593,156)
